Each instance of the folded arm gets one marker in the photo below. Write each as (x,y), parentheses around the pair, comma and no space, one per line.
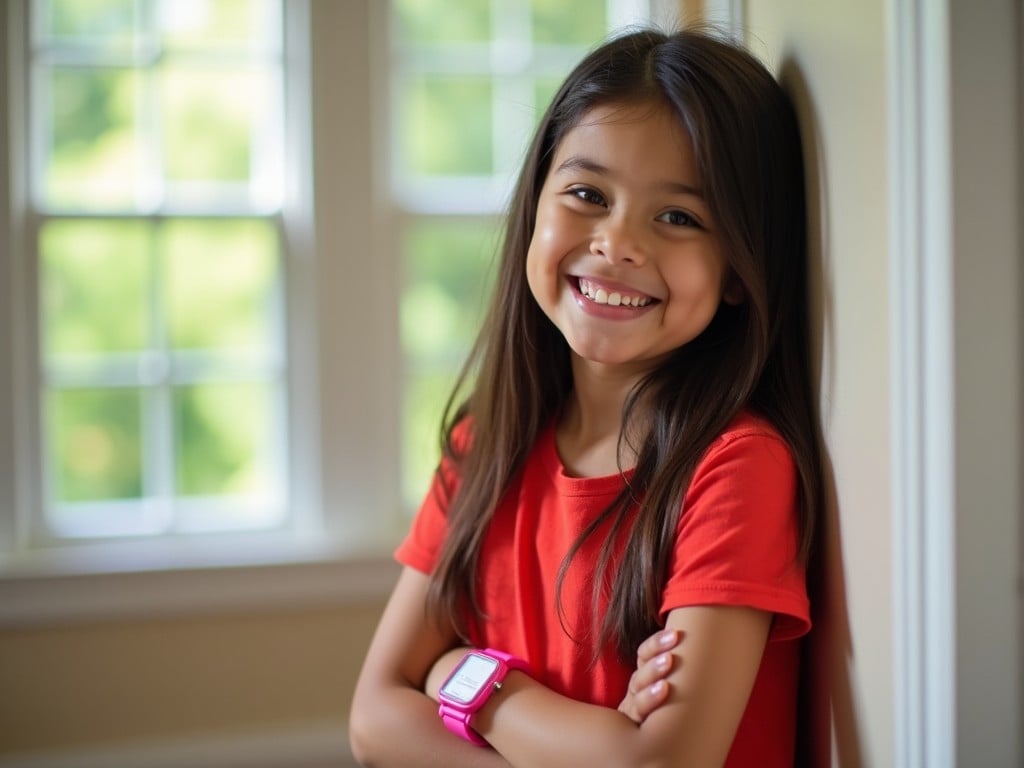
(709,683)
(393,723)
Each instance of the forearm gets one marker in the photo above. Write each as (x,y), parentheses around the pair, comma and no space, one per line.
(533,726)
(530,725)
(710,684)
(401,728)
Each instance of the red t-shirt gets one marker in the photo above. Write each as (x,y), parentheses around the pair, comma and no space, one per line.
(736,545)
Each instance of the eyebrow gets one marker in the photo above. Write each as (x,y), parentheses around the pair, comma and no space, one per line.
(580,163)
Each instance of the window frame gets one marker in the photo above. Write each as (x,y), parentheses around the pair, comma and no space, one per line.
(342,423)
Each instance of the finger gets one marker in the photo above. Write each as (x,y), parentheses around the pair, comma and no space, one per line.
(657,643)
(637,706)
(650,672)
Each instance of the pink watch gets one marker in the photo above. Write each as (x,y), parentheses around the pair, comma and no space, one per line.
(470,685)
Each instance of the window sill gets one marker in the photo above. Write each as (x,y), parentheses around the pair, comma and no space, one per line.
(136,579)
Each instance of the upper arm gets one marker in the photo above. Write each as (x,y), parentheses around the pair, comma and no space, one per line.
(716,664)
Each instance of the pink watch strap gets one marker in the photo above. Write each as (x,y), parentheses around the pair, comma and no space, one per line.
(458,723)
(457,719)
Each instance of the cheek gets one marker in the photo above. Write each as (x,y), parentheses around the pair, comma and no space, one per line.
(696,281)
(544,256)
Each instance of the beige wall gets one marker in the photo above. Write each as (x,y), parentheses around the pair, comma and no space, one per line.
(103,683)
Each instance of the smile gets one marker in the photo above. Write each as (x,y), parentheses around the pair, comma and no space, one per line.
(600,295)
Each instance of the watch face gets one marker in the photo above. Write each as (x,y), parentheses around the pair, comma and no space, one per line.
(469,677)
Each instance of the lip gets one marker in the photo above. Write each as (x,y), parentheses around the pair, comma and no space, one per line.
(608,311)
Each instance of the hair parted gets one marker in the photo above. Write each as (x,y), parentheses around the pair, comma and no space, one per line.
(754,355)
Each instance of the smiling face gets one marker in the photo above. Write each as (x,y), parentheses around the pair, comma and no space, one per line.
(624,258)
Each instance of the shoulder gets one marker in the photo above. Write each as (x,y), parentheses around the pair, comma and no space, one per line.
(748,425)
(749,441)
(748,467)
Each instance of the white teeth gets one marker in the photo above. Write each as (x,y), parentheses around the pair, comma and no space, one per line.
(601,296)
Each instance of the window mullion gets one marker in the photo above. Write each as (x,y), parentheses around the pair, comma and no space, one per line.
(159,431)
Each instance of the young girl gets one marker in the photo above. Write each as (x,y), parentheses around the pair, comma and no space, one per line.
(638,456)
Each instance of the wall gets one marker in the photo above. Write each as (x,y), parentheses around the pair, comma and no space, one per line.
(215,688)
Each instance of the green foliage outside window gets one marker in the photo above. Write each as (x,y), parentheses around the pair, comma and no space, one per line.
(160,339)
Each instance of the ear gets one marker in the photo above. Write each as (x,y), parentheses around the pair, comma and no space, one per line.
(734,293)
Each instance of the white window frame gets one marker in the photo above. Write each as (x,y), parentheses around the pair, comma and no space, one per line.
(342,340)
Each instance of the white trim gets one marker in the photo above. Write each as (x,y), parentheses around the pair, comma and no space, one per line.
(305,745)
(921,319)
(10,28)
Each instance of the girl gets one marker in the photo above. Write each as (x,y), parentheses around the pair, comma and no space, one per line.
(639,450)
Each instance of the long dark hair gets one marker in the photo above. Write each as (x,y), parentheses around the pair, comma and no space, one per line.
(754,355)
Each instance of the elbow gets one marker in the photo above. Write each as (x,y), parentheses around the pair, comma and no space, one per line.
(360,737)
(357,743)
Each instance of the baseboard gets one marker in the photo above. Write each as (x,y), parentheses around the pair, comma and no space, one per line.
(308,745)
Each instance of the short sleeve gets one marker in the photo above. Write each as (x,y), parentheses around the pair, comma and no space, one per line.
(738,537)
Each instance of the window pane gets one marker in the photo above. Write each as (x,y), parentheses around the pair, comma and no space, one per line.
(104,25)
(442,305)
(95,277)
(95,158)
(445,286)
(569,22)
(221,279)
(444,21)
(211,118)
(446,126)
(223,24)
(224,439)
(95,444)
(544,90)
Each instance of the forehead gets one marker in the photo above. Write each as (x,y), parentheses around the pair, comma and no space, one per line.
(632,137)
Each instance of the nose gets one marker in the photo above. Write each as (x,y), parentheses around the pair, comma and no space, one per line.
(618,238)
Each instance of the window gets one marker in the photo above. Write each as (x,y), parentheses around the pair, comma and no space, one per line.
(155,193)
(470,82)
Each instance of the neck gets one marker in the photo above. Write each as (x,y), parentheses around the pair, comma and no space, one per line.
(589,430)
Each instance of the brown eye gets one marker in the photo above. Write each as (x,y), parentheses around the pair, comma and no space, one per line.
(679,219)
(588,195)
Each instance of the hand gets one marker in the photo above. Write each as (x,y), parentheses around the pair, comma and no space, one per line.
(648,688)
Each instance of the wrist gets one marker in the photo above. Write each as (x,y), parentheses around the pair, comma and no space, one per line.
(469,688)
(485,717)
